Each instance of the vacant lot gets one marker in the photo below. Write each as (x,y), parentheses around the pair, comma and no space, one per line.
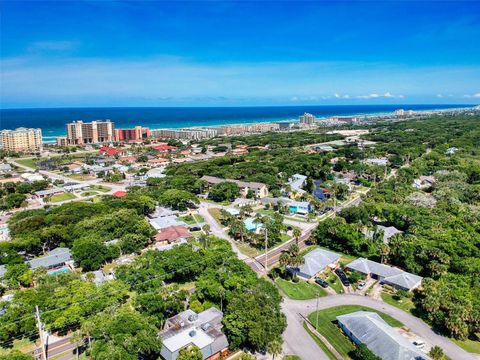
(301,290)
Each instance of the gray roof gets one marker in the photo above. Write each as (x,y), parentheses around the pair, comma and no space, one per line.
(317,260)
(55,257)
(388,232)
(76,186)
(242,184)
(370,329)
(49,192)
(5,167)
(3,270)
(188,327)
(296,182)
(391,275)
(165,221)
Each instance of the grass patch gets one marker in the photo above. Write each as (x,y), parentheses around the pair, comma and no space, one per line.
(405,304)
(301,290)
(191,220)
(320,343)
(470,345)
(334,335)
(291,357)
(334,282)
(61,197)
(89,193)
(246,249)
(265,212)
(101,188)
(80,177)
(217,215)
(346,259)
(31,163)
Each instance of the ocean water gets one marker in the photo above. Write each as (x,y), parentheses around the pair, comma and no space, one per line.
(52,121)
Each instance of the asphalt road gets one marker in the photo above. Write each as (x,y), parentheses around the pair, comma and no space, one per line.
(295,335)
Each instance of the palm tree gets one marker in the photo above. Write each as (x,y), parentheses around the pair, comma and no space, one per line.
(436,353)
(384,252)
(297,233)
(284,260)
(274,348)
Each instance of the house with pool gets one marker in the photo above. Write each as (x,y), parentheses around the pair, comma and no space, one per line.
(59,260)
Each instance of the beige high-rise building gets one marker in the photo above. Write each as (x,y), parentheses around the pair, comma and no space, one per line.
(79,133)
(21,140)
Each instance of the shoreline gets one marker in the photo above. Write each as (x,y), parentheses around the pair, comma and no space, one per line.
(49,135)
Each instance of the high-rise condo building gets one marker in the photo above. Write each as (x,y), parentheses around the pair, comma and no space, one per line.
(79,133)
(307,119)
(21,140)
(136,134)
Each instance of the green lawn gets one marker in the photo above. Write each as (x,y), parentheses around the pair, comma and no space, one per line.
(31,163)
(301,290)
(334,282)
(248,250)
(346,259)
(405,304)
(320,343)
(101,188)
(61,197)
(215,212)
(190,220)
(334,335)
(291,357)
(469,345)
(265,212)
(89,193)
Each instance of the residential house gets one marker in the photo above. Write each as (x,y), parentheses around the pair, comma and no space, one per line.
(388,232)
(172,234)
(30,177)
(386,274)
(324,148)
(56,258)
(161,211)
(366,327)
(317,261)
(424,182)
(260,190)
(451,151)
(5,168)
(49,192)
(300,207)
(297,182)
(110,151)
(159,223)
(158,162)
(188,328)
(75,167)
(376,161)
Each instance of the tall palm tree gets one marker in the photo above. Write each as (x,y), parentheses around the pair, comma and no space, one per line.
(297,233)
(274,348)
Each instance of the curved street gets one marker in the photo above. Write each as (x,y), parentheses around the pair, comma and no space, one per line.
(300,343)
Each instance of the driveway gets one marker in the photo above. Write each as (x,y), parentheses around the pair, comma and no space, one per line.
(305,350)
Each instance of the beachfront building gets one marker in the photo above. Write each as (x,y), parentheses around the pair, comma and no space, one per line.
(138,133)
(185,134)
(260,190)
(21,140)
(307,119)
(344,119)
(188,328)
(242,129)
(367,327)
(80,133)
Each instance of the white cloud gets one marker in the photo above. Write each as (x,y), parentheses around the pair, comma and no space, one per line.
(477,95)
(294,98)
(439,96)
(388,94)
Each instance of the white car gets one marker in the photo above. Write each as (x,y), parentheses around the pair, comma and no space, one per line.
(419,344)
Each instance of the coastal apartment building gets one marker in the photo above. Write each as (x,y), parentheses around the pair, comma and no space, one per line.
(185,134)
(21,140)
(79,133)
(307,119)
(138,133)
(242,129)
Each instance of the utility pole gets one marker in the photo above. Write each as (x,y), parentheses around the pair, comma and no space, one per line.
(266,248)
(316,324)
(41,333)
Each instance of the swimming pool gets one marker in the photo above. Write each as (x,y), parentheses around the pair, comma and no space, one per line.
(59,271)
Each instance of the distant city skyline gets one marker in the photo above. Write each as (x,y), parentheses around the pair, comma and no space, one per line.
(223,53)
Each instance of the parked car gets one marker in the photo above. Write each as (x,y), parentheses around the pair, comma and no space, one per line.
(361,285)
(195,228)
(419,344)
(343,277)
(321,282)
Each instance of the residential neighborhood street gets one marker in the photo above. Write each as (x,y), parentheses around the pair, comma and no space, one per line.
(300,343)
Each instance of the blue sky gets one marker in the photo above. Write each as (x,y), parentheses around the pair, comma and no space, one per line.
(158,53)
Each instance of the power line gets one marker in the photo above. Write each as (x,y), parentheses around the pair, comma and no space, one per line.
(102,295)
